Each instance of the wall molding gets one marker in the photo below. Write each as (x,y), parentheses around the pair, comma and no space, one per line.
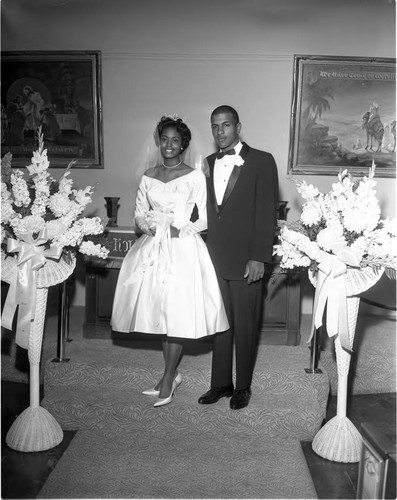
(158,56)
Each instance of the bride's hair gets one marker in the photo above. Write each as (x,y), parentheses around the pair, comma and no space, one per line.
(149,155)
(180,126)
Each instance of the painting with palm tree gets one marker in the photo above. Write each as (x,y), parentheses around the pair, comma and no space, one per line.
(343,115)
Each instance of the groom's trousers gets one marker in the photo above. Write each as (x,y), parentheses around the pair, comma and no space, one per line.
(243,307)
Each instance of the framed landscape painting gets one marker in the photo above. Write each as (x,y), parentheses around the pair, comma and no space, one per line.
(343,115)
(59,92)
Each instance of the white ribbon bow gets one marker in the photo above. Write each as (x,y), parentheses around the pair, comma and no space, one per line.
(331,292)
(22,292)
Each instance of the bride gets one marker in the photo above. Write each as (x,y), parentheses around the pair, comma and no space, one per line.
(167,284)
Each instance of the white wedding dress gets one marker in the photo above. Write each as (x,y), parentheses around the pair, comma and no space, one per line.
(168,285)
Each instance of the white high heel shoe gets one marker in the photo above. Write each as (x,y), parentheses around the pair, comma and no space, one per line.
(151,392)
(155,392)
(165,401)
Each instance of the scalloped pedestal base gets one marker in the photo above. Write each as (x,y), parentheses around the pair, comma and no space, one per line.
(34,430)
(338,440)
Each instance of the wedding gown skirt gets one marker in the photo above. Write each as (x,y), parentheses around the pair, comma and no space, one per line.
(179,297)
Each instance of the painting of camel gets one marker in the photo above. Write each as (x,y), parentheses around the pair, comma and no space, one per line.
(343,115)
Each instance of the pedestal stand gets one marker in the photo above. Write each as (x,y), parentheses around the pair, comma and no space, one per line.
(339,440)
(35,429)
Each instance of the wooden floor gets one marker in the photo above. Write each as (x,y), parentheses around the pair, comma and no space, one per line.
(23,474)
(339,480)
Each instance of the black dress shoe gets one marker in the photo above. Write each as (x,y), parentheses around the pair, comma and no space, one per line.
(240,399)
(215,394)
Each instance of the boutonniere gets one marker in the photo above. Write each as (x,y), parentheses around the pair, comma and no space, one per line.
(233,160)
(238,161)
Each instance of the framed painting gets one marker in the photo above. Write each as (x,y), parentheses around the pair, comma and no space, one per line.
(343,115)
(59,91)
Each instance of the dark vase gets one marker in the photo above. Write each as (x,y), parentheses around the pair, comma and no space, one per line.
(112,206)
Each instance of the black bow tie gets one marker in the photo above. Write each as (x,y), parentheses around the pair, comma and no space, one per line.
(221,154)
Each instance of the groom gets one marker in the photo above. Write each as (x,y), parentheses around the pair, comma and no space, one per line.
(242,198)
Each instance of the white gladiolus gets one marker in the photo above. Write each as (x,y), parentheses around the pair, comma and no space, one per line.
(29,208)
(20,189)
(307,191)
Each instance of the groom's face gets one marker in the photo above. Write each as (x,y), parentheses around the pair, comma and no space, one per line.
(225,130)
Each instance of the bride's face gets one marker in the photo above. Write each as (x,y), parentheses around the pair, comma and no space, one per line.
(170,143)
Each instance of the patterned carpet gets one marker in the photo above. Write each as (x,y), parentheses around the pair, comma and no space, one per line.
(179,463)
(125,448)
(101,387)
(373,362)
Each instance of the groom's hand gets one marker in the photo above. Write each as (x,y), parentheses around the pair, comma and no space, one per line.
(254,271)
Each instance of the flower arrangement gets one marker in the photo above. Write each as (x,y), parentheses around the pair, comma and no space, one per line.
(45,211)
(346,246)
(42,228)
(345,222)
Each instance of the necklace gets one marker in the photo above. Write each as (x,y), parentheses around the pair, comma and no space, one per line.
(173,166)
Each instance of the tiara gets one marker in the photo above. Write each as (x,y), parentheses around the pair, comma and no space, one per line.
(174,117)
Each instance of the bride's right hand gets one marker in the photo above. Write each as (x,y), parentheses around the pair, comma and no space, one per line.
(146,229)
(151,231)
(144,226)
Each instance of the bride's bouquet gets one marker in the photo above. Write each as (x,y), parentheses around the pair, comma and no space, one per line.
(345,223)
(46,213)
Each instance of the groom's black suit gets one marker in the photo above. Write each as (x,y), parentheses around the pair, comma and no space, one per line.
(242,228)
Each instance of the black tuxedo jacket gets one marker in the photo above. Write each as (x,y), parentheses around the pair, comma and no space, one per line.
(243,227)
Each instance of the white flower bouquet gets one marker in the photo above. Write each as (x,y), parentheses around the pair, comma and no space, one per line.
(345,222)
(44,209)
(42,229)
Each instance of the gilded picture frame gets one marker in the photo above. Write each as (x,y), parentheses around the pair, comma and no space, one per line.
(343,115)
(59,91)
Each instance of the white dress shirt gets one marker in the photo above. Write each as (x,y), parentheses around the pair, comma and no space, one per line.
(222,171)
